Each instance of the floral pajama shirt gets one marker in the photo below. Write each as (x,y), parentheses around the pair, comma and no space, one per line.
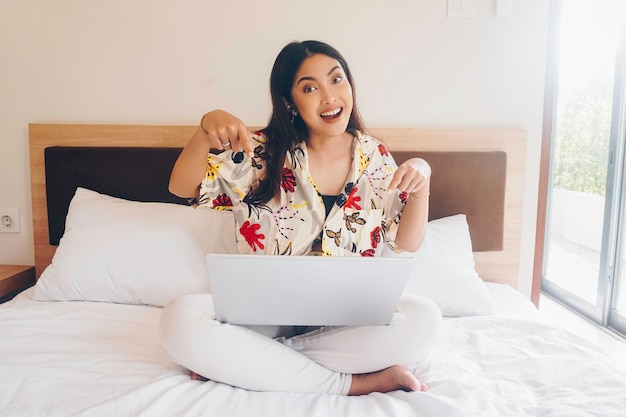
(363,219)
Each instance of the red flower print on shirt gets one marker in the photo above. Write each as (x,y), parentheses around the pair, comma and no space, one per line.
(367,252)
(248,231)
(352,200)
(375,236)
(222,200)
(403,197)
(288,180)
(382,149)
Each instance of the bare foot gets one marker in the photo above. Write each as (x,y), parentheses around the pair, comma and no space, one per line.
(390,379)
(197,377)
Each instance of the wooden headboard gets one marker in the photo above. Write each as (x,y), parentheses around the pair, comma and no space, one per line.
(478,172)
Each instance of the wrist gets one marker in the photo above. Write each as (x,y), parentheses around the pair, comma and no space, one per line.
(418,195)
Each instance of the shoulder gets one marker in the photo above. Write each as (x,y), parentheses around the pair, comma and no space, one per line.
(370,145)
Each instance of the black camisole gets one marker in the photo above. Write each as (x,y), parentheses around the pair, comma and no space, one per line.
(329,201)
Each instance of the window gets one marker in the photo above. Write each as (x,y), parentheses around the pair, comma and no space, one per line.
(585,230)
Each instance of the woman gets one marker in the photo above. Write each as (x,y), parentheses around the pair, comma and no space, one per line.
(311,182)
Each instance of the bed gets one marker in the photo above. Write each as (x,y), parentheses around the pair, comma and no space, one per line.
(112,246)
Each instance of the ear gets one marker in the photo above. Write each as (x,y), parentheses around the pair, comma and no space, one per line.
(291,109)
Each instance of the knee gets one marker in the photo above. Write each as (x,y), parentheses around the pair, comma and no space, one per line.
(180,323)
(422,321)
(420,308)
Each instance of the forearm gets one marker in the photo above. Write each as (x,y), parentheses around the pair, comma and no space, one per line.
(412,227)
(190,167)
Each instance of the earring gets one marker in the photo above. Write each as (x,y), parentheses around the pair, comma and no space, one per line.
(293,113)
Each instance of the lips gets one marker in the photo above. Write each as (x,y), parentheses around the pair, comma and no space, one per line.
(332,114)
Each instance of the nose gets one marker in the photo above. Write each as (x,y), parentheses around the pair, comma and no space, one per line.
(328,95)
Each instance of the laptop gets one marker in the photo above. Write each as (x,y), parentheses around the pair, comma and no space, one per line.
(306,290)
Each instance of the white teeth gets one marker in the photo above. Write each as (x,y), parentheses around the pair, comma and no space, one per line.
(331,113)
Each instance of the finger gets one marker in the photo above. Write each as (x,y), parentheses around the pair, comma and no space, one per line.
(420,184)
(416,186)
(215,140)
(233,143)
(246,141)
(395,180)
(412,184)
(421,181)
(405,185)
(230,137)
(224,138)
(403,178)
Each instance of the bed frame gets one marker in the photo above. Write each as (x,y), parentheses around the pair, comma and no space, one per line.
(478,172)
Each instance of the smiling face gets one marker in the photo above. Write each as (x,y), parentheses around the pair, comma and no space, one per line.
(323,96)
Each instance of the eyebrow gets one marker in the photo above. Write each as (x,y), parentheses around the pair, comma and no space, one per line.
(333,69)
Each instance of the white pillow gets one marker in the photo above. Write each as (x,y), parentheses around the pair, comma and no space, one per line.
(445,270)
(128,252)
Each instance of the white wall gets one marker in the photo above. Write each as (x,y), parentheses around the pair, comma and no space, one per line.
(168,61)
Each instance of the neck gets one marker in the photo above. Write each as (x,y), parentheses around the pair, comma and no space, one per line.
(329,144)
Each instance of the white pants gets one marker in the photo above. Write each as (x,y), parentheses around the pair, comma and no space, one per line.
(321,361)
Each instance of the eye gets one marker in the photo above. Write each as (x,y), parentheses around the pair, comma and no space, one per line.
(337,79)
(309,89)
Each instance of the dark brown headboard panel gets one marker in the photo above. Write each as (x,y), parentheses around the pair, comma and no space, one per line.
(142,174)
(135,173)
(470,183)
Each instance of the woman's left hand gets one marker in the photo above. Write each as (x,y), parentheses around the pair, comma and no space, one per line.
(412,177)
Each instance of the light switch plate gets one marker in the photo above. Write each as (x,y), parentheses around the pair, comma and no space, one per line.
(460,8)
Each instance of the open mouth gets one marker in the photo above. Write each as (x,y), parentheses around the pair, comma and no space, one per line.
(332,114)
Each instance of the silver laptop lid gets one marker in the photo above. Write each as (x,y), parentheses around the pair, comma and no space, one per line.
(306,290)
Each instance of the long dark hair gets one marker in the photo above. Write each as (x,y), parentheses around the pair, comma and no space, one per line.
(284,132)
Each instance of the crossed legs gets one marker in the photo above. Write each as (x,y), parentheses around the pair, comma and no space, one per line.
(342,360)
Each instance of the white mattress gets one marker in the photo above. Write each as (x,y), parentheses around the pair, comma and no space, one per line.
(97,359)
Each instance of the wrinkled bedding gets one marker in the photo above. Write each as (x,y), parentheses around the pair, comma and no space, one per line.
(102,359)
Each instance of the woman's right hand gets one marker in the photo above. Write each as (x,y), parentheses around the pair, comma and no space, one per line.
(226,131)
(218,130)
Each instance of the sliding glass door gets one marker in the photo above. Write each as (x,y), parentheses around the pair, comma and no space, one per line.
(586,222)
(616,307)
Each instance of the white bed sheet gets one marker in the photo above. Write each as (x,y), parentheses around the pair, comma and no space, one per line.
(510,302)
(96,359)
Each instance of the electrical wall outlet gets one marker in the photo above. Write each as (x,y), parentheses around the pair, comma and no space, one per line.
(9,220)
